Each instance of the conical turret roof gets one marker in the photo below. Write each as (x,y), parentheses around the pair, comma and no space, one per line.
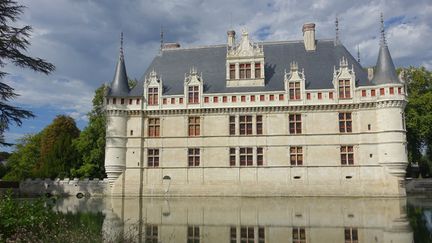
(120,85)
(385,72)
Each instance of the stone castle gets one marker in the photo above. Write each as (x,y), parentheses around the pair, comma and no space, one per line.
(285,118)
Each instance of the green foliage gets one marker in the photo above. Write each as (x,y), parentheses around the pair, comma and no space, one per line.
(91,142)
(32,221)
(57,155)
(14,42)
(25,157)
(418,112)
(418,224)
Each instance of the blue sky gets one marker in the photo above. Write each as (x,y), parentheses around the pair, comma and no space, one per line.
(81,37)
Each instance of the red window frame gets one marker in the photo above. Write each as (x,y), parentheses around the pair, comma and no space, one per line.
(295,124)
(347,155)
(153,96)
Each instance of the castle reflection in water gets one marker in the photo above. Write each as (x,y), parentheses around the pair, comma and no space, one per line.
(258,220)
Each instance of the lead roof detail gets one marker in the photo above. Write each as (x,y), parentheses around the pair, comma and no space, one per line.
(171,65)
(120,85)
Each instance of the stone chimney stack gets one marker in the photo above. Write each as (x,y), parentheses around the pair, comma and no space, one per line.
(309,36)
(231,38)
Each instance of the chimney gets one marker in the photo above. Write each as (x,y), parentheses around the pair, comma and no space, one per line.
(370,73)
(309,36)
(231,38)
(171,45)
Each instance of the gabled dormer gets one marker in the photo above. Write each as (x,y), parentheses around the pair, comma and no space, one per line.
(344,79)
(294,82)
(152,89)
(244,62)
(193,86)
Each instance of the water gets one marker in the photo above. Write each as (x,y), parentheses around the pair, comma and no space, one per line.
(270,220)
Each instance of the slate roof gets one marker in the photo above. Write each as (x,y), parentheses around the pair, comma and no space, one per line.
(172,64)
(120,85)
(385,70)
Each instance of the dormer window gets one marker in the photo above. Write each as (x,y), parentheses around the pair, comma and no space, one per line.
(193,94)
(344,89)
(294,90)
(152,96)
(244,63)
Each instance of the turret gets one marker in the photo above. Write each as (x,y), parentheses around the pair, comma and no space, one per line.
(115,151)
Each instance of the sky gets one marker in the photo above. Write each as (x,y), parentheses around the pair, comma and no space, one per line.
(82,38)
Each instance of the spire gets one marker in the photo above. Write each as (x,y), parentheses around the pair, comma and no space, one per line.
(337,31)
(161,39)
(383,39)
(385,71)
(119,85)
(358,54)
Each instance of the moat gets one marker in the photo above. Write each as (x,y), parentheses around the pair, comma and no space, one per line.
(270,219)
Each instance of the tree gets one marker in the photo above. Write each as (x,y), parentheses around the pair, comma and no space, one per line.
(14,42)
(418,113)
(91,142)
(25,157)
(57,155)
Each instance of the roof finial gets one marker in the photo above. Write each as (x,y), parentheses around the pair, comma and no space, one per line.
(383,39)
(161,38)
(337,31)
(121,44)
(358,54)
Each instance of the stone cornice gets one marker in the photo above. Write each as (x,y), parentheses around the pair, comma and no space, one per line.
(268,109)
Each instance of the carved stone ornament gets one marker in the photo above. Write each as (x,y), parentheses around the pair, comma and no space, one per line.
(246,48)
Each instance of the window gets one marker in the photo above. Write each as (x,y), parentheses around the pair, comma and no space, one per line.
(153,157)
(382,91)
(330,95)
(372,92)
(193,234)
(151,234)
(233,98)
(281,97)
(114,101)
(193,94)
(299,235)
(308,96)
(131,132)
(243,98)
(363,93)
(181,100)
(351,235)
(399,90)
(137,101)
(347,155)
(194,157)
(294,90)
(320,96)
(259,125)
(260,156)
(295,124)
(224,99)
(262,97)
(257,70)
(206,99)
(344,89)
(215,99)
(232,156)
(152,96)
(153,127)
(271,97)
(246,156)
(252,98)
(172,100)
(391,90)
(130,101)
(245,125)
(122,101)
(232,71)
(232,125)
(345,122)
(164,101)
(245,70)
(296,156)
(194,126)
(247,234)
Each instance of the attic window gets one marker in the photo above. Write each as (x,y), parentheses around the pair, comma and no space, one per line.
(232,71)
(257,70)
(245,71)
(344,89)
(193,94)
(152,96)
